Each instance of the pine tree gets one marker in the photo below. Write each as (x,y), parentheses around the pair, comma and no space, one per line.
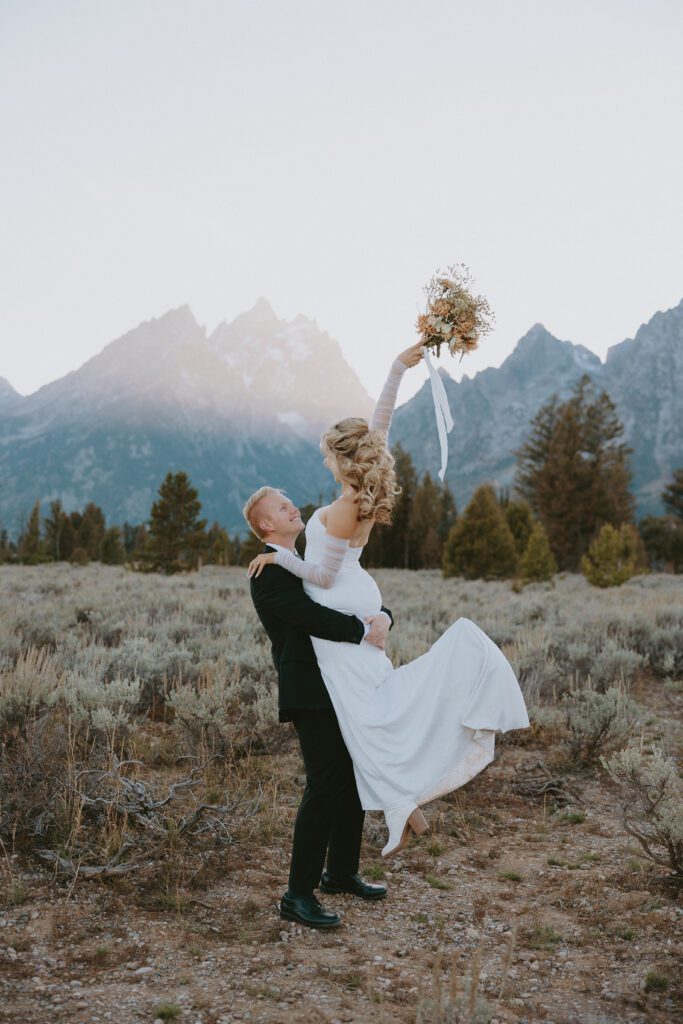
(7,549)
(112,551)
(54,528)
(426,546)
(481,544)
(538,562)
(176,534)
(672,495)
(91,531)
(140,543)
(663,540)
(31,549)
(574,471)
(521,521)
(613,557)
(448,514)
(391,546)
(219,548)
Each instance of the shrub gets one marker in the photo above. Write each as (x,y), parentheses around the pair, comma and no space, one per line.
(613,557)
(222,709)
(598,722)
(614,664)
(538,562)
(652,803)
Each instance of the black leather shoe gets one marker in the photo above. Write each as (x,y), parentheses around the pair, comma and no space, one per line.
(307,910)
(352,884)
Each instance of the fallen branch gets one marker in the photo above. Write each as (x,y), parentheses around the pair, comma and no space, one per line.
(536,782)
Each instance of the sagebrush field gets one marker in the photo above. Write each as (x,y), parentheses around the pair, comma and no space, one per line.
(148,793)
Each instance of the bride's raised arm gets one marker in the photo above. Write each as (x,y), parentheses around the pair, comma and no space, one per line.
(381,417)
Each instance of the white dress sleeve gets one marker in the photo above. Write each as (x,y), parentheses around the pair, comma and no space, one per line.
(381,417)
(323,574)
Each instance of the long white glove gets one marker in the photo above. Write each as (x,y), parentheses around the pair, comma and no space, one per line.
(322,574)
(381,417)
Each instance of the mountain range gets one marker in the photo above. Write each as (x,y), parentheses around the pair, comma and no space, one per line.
(245,405)
(642,375)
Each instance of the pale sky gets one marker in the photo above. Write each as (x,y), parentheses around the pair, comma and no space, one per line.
(330,156)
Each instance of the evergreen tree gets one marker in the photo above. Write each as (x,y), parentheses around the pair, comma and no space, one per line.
(91,531)
(613,557)
(574,471)
(139,543)
(31,549)
(176,534)
(672,496)
(112,551)
(219,549)
(663,540)
(521,521)
(481,544)
(7,548)
(448,514)
(538,562)
(391,545)
(426,546)
(54,527)
(68,536)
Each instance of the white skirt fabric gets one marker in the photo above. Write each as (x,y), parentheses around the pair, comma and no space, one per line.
(421,730)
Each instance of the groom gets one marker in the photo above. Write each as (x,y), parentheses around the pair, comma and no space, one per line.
(330,817)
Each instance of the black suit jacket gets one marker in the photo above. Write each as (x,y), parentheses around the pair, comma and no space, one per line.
(291,618)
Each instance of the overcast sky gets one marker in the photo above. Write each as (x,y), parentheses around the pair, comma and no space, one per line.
(330,156)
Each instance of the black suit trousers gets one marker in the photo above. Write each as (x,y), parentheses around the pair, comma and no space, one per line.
(330,817)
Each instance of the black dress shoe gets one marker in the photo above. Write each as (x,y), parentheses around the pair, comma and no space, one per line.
(307,910)
(353,884)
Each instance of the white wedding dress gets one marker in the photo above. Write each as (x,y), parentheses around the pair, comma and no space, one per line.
(421,730)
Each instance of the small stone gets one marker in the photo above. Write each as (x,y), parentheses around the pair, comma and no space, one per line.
(142,972)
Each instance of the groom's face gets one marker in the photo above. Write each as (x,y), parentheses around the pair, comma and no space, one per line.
(279,515)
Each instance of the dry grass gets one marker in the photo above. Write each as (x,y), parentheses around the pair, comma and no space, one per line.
(527,899)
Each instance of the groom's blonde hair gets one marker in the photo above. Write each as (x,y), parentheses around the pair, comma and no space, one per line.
(251,504)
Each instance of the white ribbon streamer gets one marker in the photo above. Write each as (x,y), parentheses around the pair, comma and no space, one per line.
(444,420)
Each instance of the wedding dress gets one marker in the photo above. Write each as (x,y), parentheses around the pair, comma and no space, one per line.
(421,730)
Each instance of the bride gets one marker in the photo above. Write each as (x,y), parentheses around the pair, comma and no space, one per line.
(421,730)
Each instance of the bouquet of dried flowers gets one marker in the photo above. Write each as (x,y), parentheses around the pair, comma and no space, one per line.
(454,315)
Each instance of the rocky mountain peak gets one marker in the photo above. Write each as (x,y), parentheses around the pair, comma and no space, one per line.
(7,392)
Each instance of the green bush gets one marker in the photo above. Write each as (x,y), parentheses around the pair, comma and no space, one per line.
(613,557)
(538,562)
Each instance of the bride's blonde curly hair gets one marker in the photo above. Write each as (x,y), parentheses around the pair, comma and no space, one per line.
(364,460)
